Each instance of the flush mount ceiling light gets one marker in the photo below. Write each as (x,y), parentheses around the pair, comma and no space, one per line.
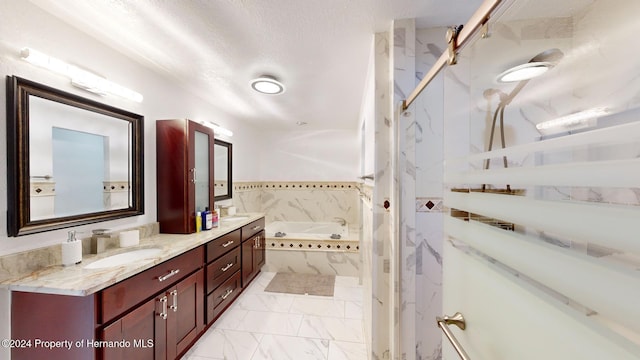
(537,66)
(80,78)
(267,84)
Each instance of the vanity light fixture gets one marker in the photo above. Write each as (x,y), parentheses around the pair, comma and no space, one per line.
(573,121)
(537,66)
(217,129)
(80,78)
(267,84)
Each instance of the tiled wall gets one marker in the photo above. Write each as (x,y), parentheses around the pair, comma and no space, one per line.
(306,201)
(299,201)
(420,133)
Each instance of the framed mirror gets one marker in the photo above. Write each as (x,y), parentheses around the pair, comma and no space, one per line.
(70,160)
(222,152)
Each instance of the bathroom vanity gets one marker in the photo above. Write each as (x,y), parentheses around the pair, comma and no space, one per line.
(155,308)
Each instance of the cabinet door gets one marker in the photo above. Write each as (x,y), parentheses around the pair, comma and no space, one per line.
(143,333)
(184,151)
(247,261)
(186,313)
(259,252)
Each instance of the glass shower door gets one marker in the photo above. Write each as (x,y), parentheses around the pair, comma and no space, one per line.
(542,168)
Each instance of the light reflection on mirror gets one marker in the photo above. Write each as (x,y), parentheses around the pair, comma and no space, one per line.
(70,160)
(76,166)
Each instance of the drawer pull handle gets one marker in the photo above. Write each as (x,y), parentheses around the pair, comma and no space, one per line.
(227,243)
(174,307)
(163,301)
(257,227)
(226,295)
(229,265)
(170,274)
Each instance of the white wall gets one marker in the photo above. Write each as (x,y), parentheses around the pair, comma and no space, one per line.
(314,155)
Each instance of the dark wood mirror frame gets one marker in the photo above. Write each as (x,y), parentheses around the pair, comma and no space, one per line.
(18,161)
(229,193)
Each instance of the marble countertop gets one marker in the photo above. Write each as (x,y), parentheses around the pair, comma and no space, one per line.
(78,281)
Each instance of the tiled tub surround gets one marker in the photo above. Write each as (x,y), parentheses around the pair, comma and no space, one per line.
(313,253)
(306,202)
(299,201)
(78,281)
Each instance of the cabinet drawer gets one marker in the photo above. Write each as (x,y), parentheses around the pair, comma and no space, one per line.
(221,245)
(252,228)
(222,297)
(124,295)
(220,270)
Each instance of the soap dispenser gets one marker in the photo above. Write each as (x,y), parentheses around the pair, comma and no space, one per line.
(71,250)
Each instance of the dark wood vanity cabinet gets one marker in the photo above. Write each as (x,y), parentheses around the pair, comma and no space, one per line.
(223,273)
(161,328)
(253,250)
(156,314)
(184,151)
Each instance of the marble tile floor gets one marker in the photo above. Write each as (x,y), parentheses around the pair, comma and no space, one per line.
(273,326)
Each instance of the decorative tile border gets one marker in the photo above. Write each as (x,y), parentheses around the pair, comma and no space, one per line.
(312,245)
(247,186)
(311,185)
(42,188)
(296,185)
(116,186)
(429,205)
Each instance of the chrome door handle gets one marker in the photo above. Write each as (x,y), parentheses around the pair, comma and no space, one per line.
(170,274)
(174,307)
(163,301)
(227,243)
(257,227)
(193,180)
(229,265)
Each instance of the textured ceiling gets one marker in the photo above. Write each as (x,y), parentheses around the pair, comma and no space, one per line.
(318,49)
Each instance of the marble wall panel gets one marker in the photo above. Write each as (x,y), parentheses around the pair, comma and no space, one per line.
(404,62)
(300,201)
(313,262)
(428,204)
(366,257)
(383,286)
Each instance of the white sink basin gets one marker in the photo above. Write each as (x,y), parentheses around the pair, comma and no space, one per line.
(125,258)
(234,218)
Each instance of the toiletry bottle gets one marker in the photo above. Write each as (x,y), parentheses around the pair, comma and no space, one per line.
(216,217)
(207,219)
(71,250)
(198,221)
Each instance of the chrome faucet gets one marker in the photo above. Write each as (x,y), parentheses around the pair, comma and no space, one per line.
(342,221)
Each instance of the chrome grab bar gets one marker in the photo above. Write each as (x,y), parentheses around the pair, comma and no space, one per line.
(458,320)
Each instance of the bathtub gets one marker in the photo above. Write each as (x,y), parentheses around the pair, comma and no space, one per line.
(307,230)
(308,248)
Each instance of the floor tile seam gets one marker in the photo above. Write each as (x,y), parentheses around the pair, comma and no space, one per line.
(328,333)
(295,337)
